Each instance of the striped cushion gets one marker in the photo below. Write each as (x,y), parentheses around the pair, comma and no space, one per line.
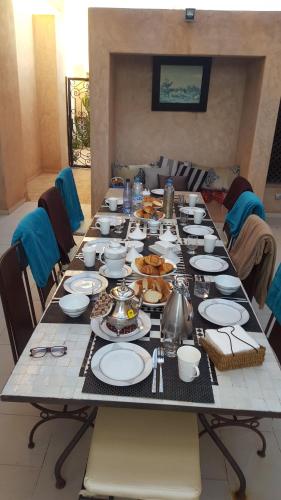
(167,164)
(195,178)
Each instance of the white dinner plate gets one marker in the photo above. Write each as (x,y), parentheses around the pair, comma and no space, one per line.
(190,210)
(102,331)
(198,230)
(100,243)
(208,263)
(119,201)
(149,304)
(135,270)
(223,312)
(89,283)
(121,364)
(126,271)
(158,192)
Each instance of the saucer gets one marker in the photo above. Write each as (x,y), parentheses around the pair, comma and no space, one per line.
(126,271)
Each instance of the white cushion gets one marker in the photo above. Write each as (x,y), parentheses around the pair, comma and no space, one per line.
(144,454)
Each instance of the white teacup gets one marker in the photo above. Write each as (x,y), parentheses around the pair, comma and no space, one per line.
(103,224)
(114,268)
(188,361)
(154,226)
(192,199)
(112,204)
(209,243)
(89,255)
(198,214)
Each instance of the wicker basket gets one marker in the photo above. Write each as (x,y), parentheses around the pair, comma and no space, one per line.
(225,362)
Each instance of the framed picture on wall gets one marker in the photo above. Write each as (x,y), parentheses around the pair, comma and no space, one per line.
(180,83)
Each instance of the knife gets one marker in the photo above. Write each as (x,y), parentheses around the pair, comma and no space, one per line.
(154,366)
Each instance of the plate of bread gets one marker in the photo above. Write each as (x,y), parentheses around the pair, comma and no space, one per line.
(152,265)
(155,291)
(151,209)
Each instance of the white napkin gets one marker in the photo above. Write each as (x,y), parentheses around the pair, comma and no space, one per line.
(221,341)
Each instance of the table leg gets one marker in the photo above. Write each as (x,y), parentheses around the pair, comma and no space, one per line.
(60,481)
(241,492)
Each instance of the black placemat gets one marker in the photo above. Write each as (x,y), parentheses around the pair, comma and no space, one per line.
(200,251)
(95,233)
(199,205)
(198,391)
(190,222)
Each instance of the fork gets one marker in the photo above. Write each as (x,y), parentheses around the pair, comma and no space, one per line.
(160,361)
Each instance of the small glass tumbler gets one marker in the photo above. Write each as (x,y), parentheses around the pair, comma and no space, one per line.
(191,244)
(180,200)
(183,218)
(202,289)
(170,344)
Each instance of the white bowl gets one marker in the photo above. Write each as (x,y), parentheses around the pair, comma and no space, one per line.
(74,304)
(227,284)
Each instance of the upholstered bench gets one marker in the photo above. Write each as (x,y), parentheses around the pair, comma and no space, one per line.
(144,454)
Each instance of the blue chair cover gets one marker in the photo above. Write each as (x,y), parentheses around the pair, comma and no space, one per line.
(66,185)
(247,204)
(273,299)
(41,250)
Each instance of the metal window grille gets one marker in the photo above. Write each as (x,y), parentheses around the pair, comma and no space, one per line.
(274,170)
(78,121)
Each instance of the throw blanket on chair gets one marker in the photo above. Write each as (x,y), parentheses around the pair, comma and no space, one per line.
(238,186)
(254,253)
(67,188)
(248,203)
(273,299)
(41,250)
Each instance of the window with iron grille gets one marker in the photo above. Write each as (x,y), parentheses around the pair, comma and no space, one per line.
(274,170)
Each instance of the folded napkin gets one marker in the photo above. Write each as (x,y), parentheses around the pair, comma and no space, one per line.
(231,340)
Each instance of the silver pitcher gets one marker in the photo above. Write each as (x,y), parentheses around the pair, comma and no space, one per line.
(177,318)
(125,309)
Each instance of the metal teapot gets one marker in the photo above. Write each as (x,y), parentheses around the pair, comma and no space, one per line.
(177,317)
(125,308)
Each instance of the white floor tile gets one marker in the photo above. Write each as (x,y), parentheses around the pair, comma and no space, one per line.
(14,438)
(73,470)
(17,483)
(262,474)
(215,490)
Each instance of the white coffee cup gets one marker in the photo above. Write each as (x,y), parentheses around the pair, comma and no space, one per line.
(192,199)
(114,268)
(188,361)
(154,226)
(209,243)
(89,255)
(112,204)
(103,224)
(198,214)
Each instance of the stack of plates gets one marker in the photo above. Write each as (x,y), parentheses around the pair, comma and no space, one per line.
(88,283)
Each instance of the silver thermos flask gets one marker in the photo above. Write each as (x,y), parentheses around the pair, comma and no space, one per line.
(177,318)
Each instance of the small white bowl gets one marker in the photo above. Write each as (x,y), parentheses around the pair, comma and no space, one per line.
(74,305)
(227,284)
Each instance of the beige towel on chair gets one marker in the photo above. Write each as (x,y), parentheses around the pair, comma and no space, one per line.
(255,246)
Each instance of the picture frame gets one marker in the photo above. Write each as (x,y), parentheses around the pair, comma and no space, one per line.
(180,83)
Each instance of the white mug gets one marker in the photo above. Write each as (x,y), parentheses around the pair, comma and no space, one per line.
(209,243)
(188,361)
(112,204)
(154,226)
(192,199)
(198,214)
(114,267)
(89,255)
(103,224)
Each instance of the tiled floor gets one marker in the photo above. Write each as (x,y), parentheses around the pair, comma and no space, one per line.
(28,474)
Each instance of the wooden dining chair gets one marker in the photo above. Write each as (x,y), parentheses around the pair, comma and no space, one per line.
(143,454)
(237,187)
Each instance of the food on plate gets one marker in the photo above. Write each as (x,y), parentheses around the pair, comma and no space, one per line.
(154,290)
(153,265)
(154,260)
(101,305)
(149,213)
(151,201)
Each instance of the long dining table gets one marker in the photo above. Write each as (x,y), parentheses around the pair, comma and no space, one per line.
(233,398)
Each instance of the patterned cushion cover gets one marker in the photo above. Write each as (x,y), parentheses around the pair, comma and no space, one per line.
(220,178)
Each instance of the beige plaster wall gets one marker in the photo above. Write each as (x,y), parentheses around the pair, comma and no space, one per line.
(51,101)
(141,135)
(12,177)
(27,88)
(227,34)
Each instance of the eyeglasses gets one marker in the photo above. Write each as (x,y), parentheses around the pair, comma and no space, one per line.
(56,351)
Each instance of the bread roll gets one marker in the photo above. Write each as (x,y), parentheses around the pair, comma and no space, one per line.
(152,296)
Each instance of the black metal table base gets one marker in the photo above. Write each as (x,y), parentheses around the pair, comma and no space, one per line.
(219,421)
